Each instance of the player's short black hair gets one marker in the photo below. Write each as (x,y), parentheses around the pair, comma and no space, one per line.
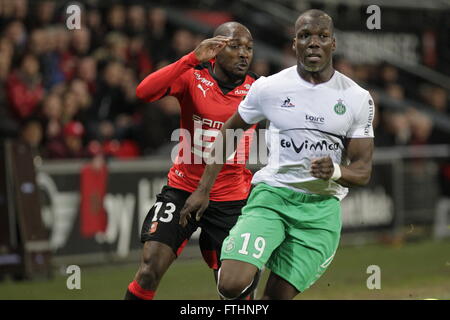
(225,29)
(315,13)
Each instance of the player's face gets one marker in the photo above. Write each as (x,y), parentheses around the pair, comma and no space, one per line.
(314,43)
(236,57)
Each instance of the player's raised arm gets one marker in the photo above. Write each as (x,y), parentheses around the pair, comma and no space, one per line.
(357,173)
(198,201)
(161,82)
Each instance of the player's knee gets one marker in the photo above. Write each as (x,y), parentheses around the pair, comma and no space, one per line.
(231,289)
(233,286)
(149,272)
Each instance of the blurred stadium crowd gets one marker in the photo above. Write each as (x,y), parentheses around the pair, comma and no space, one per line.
(71,93)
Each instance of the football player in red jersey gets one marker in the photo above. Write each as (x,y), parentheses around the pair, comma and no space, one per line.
(209,83)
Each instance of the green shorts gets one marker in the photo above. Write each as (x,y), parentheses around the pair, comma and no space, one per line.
(294,234)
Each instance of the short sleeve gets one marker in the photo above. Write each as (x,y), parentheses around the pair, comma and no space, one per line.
(250,109)
(363,121)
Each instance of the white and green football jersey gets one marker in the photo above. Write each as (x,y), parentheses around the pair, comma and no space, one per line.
(307,121)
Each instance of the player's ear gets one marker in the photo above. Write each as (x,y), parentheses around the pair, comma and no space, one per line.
(294,44)
(333,44)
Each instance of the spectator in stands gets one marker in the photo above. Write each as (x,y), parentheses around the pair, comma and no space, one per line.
(139,58)
(261,67)
(394,129)
(438,100)
(395,91)
(159,35)
(110,101)
(116,48)
(32,134)
(94,22)
(116,18)
(81,42)
(362,74)
(45,13)
(13,10)
(71,106)
(37,42)
(52,72)
(24,88)
(51,116)
(136,20)
(87,71)
(421,127)
(164,116)
(6,56)
(388,75)
(8,127)
(344,66)
(20,9)
(182,43)
(81,91)
(289,58)
(71,144)
(15,32)
(7,12)
(67,61)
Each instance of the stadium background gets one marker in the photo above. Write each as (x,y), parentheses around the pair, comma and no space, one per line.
(82,159)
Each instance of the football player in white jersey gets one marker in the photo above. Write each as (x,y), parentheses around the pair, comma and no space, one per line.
(320,141)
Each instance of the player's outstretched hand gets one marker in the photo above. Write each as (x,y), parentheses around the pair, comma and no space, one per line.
(322,168)
(197,202)
(209,48)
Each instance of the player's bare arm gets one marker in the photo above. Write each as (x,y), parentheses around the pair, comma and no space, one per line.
(357,173)
(198,201)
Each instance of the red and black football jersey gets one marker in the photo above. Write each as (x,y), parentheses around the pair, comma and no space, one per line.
(206,104)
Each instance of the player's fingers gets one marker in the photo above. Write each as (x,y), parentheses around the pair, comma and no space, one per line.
(184,215)
(320,173)
(325,169)
(184,219)
(320,160)
(215,43)
(222,38)
(315,173)
(199,215)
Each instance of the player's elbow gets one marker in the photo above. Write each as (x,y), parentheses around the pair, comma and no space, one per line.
(365,178)
(365,181)
(140,92)
(358,180)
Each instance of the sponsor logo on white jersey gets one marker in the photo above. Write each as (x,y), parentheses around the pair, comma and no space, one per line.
(311,146)
(287,103)
(314,119)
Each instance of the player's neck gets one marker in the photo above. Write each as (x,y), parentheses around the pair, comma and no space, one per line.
(315,77)
(224,77)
